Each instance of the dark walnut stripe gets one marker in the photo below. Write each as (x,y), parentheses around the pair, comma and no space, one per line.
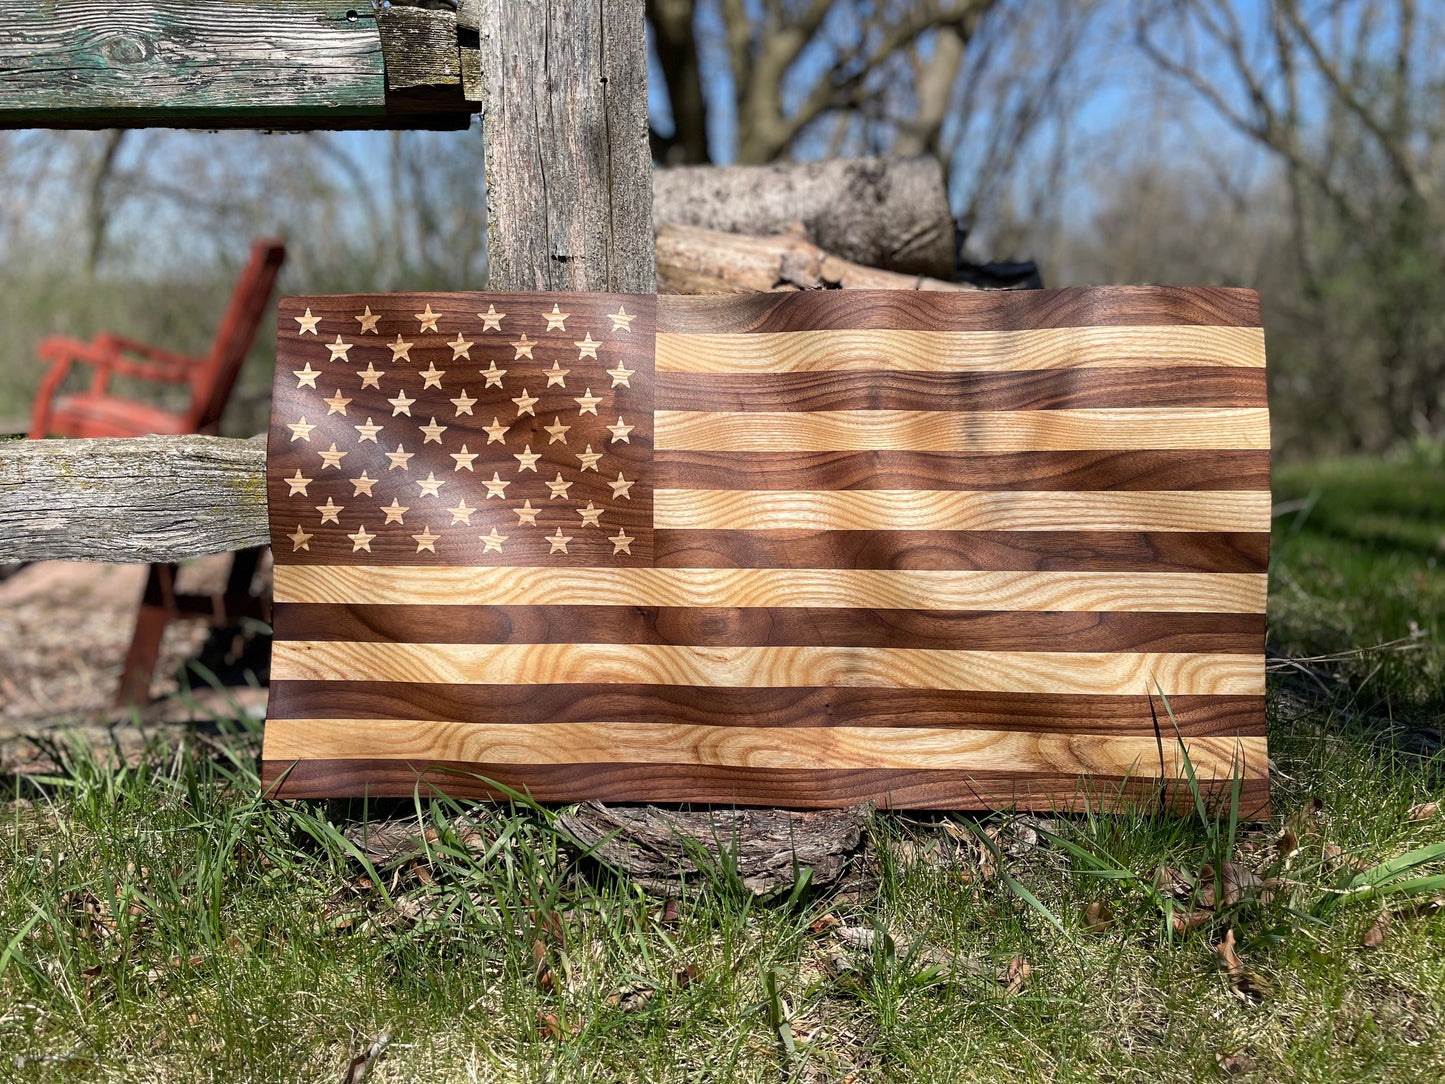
(791,788)
(1055,389)
(994,551)
(1197,716)
(1092,306)
(1240,634)
(1137,470)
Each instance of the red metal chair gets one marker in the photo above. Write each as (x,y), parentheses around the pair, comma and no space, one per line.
(96,412)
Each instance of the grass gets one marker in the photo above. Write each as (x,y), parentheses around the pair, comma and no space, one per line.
(158,922)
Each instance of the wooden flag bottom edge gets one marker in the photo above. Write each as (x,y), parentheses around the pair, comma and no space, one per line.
(743,786)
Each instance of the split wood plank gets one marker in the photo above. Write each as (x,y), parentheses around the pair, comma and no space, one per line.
(294,64)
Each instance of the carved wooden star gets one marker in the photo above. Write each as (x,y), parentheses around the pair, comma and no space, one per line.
(361,540)
(461,513)
(367,320)
(433,431)
(463,403)
(331,457)
(556,375)
(428,319)
(400,351)
(329,511)
(464,459)
(431,485)
(363,485)
(308,323)
(496,487)
(523,346)
(367,431)
(621,487)
(300,430)
(525,403)
(620,430)
(622,543)
(526,514)
(621,375)
(339,350)
(337,404)
(395,511)
(559,541)
(432,376)
(586,348)
(589,458)
(493,375)
(300,540)
(297,484)
(400,458)
(370,376)
(305,376)
(621,319)
(426,540)
(587,402)
(527,459)
(556,431)
(556,319)
(496,431)
(402,405)
(492,541)
(461,348)
(590,515)
(492,319)
(558,487)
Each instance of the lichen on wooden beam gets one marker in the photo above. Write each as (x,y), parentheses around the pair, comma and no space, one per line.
(290,64)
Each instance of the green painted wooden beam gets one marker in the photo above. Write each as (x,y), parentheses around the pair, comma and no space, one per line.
(296,64)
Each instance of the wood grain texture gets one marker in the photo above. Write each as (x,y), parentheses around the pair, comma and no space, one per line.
(938,431)
(925,589)
(987,311)
(250,64)
(804,706)
(958,510)
(774,626)
(569,171)
(891,469)
(1042,389)
(890,213)
(833,748)
(884,350)
(790,788)
(140,499)
(998,551)
(1088,674)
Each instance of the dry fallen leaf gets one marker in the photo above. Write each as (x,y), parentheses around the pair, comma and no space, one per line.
(633,999)
(1236,1062)
(1017,975)
(1184,921)
(360,1066)
(1246,983)
(1423,812)
(1098,917)
(1374,937)
(823,923)
(1236,881)
(671,913)
(553,1028)
(545,979)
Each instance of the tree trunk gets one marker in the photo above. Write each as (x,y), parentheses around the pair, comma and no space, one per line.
(881,212)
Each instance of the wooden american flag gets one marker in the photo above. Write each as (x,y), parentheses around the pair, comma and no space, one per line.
(809,549)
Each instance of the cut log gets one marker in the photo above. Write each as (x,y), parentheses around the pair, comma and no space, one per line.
(698,261)
(767,849)
(880,212)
